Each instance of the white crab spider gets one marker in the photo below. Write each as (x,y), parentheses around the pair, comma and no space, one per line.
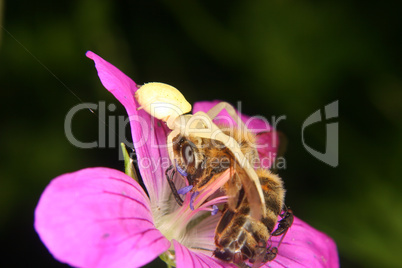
(169,105)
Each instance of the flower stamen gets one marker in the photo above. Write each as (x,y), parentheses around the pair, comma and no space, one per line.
(193,196)
(185,189)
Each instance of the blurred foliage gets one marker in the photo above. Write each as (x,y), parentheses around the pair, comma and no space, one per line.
(278,57)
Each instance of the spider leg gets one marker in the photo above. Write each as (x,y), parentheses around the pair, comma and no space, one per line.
(214,111)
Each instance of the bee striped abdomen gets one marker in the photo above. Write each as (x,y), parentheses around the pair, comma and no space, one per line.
(239,237)
(274,195)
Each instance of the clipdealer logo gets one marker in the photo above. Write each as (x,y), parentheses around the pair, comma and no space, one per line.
(331,154)
(111,129)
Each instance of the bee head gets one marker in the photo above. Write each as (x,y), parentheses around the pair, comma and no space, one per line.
(185,156)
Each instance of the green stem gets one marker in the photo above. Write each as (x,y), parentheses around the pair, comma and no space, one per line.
(128,163)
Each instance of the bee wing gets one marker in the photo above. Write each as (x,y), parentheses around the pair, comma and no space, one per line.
(238,186)
(250,183)
(252,188)
(233,191)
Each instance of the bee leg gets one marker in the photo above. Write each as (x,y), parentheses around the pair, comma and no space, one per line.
(243,265)
(261,254)
(271,254)
(172,186)
(284,223)
(283,227)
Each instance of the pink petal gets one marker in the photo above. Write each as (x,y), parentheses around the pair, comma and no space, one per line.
(267,153)
(304,246)
(149,135)
(267,138)
(186,258)
(98,217)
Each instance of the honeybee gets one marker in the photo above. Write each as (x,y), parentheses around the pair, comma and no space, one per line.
(238,236)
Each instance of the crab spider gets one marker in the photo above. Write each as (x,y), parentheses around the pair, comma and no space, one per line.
(166,103)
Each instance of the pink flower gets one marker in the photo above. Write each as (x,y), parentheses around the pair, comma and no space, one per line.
(100,217)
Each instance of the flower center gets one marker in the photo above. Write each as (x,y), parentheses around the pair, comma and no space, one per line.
(182,223)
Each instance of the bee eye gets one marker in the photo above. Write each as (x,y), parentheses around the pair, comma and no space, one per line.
(188,154)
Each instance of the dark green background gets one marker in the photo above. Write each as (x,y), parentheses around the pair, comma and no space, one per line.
(277,57)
